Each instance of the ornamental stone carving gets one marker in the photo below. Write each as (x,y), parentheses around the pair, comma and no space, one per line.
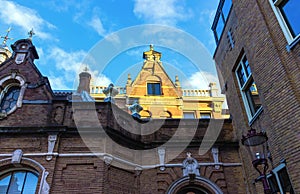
(110,92)
(135,108)
(190,166)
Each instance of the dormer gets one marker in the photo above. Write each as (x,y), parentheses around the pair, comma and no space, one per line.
(24,50)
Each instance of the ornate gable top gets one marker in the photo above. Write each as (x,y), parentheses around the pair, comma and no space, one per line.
(25,46)
(152,55)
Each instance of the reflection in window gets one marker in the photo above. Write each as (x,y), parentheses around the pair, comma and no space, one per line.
(288,15)
(188,115)
(205,115)
(291,15)
(220,18)
(9,98)
(248,88)
(153,88)
(18,182)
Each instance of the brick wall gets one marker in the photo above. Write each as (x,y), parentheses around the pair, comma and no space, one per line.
(276,73)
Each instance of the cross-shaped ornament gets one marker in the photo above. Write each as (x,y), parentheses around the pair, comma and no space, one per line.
(5,38)
(31,33)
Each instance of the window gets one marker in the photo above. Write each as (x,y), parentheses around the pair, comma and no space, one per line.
(153,88)
(279,181)
(19,182)
(288,16)
(220,18)
(9,98)
(205,115)
(248,88)
(188,115)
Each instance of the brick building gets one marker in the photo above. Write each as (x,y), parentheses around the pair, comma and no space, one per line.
(66,142)
(258,60)
(161,97)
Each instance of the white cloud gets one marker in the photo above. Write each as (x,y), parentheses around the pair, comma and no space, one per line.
(16,15)
(207,16)
(69,65)
(58,83)
(200,80)
(100,79)
(166,12)
(97,25)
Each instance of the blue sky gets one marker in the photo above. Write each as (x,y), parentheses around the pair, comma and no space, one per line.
(68,30)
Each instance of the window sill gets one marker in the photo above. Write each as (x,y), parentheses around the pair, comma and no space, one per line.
(255,116)
(293,44)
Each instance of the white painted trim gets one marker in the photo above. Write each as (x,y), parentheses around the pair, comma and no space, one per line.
(282,23)
(122,160)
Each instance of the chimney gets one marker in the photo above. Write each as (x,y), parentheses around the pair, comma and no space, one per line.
(84,82)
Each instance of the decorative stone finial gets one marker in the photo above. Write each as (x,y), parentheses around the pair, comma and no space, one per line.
(129,81)
(177,83)
(110,93)
(31,33)
(151,47)
(135,108)
(5,38)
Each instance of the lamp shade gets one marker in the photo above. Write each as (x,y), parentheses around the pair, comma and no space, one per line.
(256,144)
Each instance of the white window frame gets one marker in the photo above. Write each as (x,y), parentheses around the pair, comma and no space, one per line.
(284,26)
(243,88)
(275,173)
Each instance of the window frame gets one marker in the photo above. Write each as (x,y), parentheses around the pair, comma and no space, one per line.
(6,83)
(15,170)
(204,115)
(245,86)
(189,113)
(291,40)
(154,91)
(3,94)
(275,173)
(220,16)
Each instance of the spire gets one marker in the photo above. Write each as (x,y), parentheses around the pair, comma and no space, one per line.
(4,51)
(31,33)
(5,38)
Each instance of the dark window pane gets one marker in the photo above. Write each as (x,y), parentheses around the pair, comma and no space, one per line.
(154,89)
(10,99)
(241,76)
(226,8)
(246,66)
(285,181)
(291,14)
(273,184)
(220,27)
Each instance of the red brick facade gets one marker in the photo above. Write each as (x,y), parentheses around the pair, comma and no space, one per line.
(275,69)
(66,159)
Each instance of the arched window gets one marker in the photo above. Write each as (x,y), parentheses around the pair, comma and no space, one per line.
(9,98)
(19,182)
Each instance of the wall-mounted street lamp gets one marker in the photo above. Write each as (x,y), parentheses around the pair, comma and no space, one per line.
(256,144)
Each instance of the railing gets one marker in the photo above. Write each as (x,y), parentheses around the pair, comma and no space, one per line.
(122,90)
(195,92)
(99,89)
